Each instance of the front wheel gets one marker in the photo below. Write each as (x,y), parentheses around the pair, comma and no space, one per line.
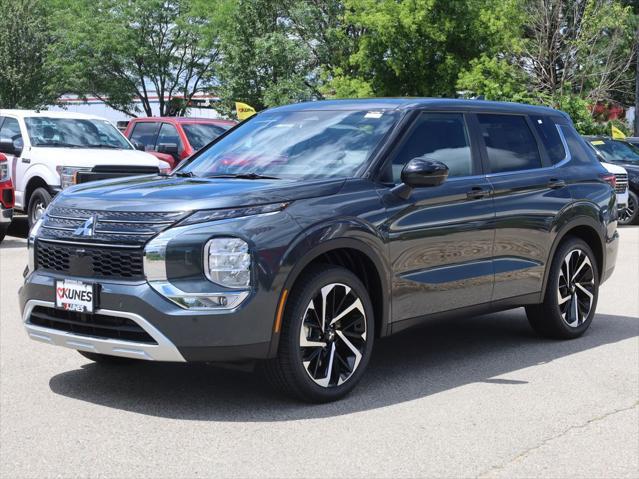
(38,203)
(630,213)
(327,336)
(571,293)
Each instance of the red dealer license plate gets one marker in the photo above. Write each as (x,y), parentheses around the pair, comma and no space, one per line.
(74,296)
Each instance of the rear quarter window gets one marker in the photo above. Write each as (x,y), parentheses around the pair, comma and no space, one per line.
(549,134)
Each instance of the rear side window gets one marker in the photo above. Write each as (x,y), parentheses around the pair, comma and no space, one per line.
(437,136)
(510,144)
(145,132)
(547,131)
(579,149)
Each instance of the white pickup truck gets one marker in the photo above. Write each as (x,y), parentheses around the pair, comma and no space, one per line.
(49,151)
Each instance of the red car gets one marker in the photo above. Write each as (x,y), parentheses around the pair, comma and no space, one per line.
(6,197)
(174,138)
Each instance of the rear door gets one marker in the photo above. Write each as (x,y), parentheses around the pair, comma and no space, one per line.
(440,238)
(529,191)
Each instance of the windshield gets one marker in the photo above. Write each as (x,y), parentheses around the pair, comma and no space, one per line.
(201,134)
(296,144)
(74,133)
(617,151)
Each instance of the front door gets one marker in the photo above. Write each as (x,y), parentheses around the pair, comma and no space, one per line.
(440,238)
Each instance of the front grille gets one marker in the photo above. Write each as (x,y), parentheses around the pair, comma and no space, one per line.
(94,325)
(622,183)
(129,228)
(109,263)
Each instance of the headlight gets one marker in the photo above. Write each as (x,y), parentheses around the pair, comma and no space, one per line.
(227,262)
(223,214)
(68,175)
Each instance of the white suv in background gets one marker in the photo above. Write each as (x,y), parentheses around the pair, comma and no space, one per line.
(621,177)
(49,151)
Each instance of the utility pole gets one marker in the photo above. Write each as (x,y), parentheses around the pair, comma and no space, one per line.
(636,132)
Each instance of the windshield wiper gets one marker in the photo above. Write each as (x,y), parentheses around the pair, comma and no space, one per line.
(243,176)
(60,144)
(184,174)
(104,145)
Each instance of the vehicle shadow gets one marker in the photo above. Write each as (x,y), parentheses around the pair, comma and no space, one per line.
(19,227)
(414,364)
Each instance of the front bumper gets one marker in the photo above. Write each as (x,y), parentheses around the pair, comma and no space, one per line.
(181,335)
(6,215)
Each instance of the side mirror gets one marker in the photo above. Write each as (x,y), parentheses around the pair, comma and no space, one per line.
(138,145)
(420,172)
(10,147)
(167,148)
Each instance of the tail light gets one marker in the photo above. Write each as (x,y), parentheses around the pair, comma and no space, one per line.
(610,179)
(4,168)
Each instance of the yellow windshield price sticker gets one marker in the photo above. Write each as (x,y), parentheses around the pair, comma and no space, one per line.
(597,142)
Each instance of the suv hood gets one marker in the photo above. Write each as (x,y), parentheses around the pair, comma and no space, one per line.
(89,157)
(156,193)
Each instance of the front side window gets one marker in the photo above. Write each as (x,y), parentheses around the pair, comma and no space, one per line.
(201,134)
(74,133)
(547,131)
(440,137)
(10,128)
(297,144)
(168,134)
(510,144)
(145,132)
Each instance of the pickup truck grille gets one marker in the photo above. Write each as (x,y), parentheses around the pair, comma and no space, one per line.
(98,244)
(622,183)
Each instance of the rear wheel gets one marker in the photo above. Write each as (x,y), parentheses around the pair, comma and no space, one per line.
(571,293)
(38,202)
(630,214)
(327,336)
(106,359)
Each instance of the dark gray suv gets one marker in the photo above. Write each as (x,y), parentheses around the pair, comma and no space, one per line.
(297,238)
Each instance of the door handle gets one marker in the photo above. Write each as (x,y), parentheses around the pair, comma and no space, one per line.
(555,183)
(477,193)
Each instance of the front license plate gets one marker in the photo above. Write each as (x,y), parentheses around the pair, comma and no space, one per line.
(74,296)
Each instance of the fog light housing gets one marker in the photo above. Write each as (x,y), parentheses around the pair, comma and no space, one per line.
(227,262)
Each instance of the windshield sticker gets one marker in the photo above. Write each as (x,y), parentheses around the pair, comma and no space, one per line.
(597,142)
(374,114)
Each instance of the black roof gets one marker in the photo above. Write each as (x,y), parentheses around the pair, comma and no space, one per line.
(413,103)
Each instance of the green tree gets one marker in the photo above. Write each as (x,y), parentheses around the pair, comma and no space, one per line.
(25,79)
(118,50)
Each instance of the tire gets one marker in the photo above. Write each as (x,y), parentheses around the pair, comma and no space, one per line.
(38,202)
(630,214)
(3,232)
(303,368)
(106,359)
(555,318)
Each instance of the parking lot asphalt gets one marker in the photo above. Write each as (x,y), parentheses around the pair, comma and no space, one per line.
(470,397)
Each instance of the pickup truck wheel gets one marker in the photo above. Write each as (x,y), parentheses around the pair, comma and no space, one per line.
(571,293)
(327,336)
(38,202)
(105,359)
(630,214)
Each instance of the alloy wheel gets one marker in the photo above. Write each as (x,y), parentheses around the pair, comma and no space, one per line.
(333,335)
(627,214)
(38,211)
(576,289)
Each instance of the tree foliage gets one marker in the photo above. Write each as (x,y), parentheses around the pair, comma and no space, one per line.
(119,50)
(25,78)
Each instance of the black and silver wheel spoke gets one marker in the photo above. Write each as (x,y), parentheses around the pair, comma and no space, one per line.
(575,291)
(333,335)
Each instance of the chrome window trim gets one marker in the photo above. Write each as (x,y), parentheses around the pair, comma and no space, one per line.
(164,350)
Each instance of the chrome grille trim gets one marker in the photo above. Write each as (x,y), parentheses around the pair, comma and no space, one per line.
(81,243)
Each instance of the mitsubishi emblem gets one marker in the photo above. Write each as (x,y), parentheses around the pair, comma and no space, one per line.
(88,228)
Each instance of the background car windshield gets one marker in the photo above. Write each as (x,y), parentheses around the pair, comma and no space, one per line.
(300,144)
(201,134)
(618,151)
(74,133)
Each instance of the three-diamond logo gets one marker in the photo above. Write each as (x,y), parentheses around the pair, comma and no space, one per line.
(87,229)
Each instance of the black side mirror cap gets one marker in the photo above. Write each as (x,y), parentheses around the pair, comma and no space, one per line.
(167,148)
(420,172)
(9,147)
(138,145)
